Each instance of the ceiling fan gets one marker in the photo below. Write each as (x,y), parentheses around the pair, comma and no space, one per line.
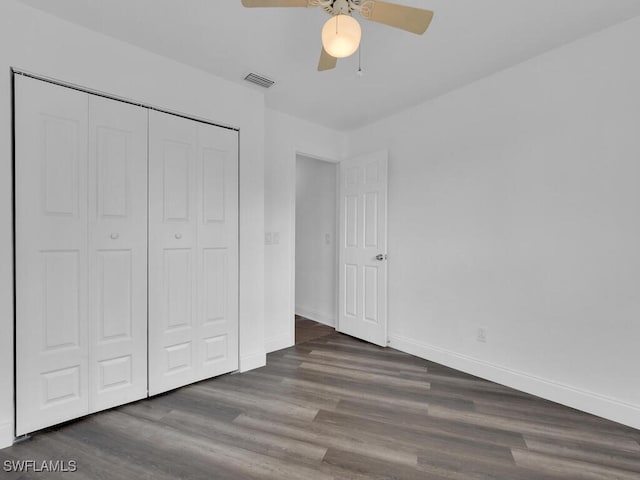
(341,33)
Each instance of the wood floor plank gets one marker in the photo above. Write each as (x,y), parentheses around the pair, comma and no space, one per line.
(359,366)
(198,449)
(151,410)
(136,446)
(434,427)
(362,387)
(618,441)
(366,377)
(99,454)
(280,392)
(346,444)
(101,464)
(375,468)
(585,452)
(344,392)
(349,345)
(186,399)
(255,401)
(542,414)
(247,438)
(568,468)
(339,343)
(441,450)
(371,360)
(309,330)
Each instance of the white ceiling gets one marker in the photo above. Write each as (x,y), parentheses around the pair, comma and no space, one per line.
(467,40)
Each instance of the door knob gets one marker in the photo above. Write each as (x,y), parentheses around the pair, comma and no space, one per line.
(178,236)
(114,236)
(381,256)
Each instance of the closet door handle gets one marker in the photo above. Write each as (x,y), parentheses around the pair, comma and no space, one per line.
(115,236)
(178,236)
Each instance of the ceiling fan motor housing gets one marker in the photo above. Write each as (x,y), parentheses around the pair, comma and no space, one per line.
(341,7)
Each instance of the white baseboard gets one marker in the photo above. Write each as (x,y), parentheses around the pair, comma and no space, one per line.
(6,434)
(251,361)
(278,342)
(590,402)
(321,317)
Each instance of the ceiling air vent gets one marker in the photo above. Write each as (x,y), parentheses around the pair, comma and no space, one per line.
(259,80)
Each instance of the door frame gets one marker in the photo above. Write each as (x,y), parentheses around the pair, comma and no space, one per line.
(302,151)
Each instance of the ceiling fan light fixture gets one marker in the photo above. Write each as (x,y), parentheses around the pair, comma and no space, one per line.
(341,36)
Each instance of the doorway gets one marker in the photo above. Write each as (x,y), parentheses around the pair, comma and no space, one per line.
(316,255)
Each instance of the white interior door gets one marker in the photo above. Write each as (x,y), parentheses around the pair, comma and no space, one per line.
(51,254)
(117,253)
(362,294)
(193,256)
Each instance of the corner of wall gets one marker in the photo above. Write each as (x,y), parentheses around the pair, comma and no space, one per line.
(278,342)
(321,317)
(252,361)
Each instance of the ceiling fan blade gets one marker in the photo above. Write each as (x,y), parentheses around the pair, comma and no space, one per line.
(275,3)
(327,62)
(411,19)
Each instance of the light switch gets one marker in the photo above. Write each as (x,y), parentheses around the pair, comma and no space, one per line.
(268,238)
(276,238)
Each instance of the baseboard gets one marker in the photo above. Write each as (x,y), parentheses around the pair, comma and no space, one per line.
(6,434)
(251,361)
(278,342)
(316,316)
(590,402)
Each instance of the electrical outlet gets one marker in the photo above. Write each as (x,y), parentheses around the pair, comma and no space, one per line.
(482,335)
(276,238)
(268,240)
(327,239)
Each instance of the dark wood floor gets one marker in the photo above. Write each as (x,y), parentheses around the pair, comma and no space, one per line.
(337,408)
(309,330)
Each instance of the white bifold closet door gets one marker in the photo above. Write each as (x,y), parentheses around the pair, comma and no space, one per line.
(80,193)
(193,251)
(117,219)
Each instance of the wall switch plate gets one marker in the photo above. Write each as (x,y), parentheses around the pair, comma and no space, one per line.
(482,335)
(276,238)
(268,239)
(327,239)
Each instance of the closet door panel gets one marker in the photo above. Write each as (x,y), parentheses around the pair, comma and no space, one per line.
(172,251)
(193,296)
(51,254)
(117,252)
(217,275)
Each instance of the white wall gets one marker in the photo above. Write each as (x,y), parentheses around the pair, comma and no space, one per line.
(514,205)
(39,43)
(284,136)
(315,247)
